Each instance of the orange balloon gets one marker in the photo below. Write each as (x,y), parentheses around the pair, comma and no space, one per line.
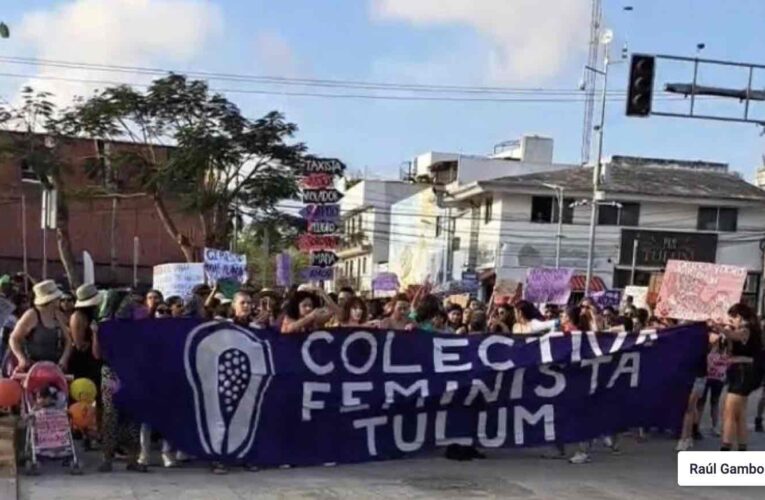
(83,416)
(10,392)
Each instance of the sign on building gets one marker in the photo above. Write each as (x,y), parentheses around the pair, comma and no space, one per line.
(656,248)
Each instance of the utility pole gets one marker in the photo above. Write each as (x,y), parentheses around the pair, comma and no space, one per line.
(266,253)
(634,260)
(559,234)
(605,40)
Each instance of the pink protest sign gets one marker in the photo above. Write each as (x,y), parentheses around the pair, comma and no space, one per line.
(51,429)
(698,291)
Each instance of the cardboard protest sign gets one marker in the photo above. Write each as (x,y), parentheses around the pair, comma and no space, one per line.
(178,279)
(507,291)
(385,282)
(654,286)
(607,298)
(220,264)
(51,430)
(284,269)
(639,296)
(547,285)
(461,299)
(698,291)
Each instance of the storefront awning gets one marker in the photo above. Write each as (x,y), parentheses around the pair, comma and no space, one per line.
(578,281)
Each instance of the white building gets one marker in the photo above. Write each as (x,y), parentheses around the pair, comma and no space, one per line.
(366,212)
(674,209)
(426,223)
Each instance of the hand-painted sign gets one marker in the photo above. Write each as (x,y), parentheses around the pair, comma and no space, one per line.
(51,429)
(313,273)
(318,181)
(323,258)
(699,291)
(607,298)
(221,264)
(321,196)
(284,269)
(547,285)
(311,242)
(316,213)
(322,227)
(385,282)
(178,279)
(313,165)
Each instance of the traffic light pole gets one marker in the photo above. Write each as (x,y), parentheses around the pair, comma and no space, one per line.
(596,174)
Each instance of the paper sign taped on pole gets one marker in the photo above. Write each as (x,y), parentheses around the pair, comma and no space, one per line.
(698,291)
(178,279)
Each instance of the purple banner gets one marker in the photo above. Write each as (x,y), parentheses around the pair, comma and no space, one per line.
(547,285)
(284,270)
(607,298)
(314,273)
(385,282)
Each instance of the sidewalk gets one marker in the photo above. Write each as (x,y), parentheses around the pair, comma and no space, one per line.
(643,470)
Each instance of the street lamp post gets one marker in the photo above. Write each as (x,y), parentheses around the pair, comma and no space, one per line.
(559,235)
(594,204)
(605,40)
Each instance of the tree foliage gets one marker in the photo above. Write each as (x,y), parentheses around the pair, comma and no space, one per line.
(197,151)
(26,123)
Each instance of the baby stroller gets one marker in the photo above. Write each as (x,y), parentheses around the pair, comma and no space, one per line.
(44,408)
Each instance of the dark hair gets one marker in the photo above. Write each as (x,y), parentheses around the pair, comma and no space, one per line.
(154,290)
(401,297)
(346,289)
(454,307)
(477,322)
(375,309)
(642,316)
(223,310)
(292,308)
(575,315)
(527,310)
(174,300)
(428,307)
(744,311)
(352,303)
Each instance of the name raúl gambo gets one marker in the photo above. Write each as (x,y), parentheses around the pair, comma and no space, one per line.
(712,468)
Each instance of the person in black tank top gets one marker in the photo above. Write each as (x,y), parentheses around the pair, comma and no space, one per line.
(743,338)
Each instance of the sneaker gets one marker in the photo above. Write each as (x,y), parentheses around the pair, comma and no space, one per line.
(608,442)
(143,460)
(219,469)
(580,457)
(182,457)
(715,431)
(167,461)
(758,424)
(684,444)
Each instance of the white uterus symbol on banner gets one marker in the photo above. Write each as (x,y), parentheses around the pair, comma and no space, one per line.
(229,369)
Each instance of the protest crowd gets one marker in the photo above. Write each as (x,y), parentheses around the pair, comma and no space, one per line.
(50,324)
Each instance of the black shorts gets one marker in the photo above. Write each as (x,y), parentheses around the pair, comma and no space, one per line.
(743,378)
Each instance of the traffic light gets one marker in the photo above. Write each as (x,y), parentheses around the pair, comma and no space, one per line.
(640,91)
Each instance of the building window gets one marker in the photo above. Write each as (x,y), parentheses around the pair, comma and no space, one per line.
(544,210)
(626,215)
(27,172)
(488,206)
(717,219)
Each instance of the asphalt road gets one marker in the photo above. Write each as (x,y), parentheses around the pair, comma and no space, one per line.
(643,470)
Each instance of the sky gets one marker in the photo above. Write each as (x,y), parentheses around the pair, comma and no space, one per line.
(507,44)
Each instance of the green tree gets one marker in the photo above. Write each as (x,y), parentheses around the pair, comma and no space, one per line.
(36,137)
(261,242)
(196,149)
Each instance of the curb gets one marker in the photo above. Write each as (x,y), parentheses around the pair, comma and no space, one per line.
(8,472)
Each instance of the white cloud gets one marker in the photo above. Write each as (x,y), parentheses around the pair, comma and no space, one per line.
(119,32)
(531,40)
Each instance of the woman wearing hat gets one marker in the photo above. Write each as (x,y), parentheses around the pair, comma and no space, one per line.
(41,333)
(82,323)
